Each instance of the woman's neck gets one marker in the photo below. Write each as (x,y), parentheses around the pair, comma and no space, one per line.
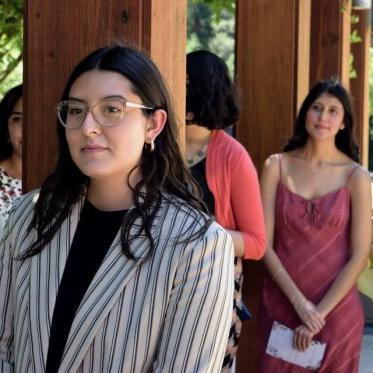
(13,166)
(318,153)
(197,138)
(110,196)
(196,135)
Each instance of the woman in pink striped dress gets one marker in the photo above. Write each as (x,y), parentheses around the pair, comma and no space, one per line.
(317,205)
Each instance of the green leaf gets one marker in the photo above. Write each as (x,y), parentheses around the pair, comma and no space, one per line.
(355,37)
(11,43)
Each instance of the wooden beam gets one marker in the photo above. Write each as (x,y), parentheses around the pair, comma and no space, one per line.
(58,34)
(272,54)
(330,40)
(359,86)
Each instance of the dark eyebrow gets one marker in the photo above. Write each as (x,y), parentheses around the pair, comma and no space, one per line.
(114,96)
(76,99)
(15,113)
(333,106)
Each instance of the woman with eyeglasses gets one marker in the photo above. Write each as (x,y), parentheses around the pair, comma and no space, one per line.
(10,151)
(112,266)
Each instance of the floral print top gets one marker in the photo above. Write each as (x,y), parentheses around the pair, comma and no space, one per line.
(10,188)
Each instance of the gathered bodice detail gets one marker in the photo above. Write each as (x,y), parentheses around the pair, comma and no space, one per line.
(313,233)
(332,208)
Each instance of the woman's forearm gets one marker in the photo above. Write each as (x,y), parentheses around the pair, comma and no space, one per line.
(281,277)
(238,242)
(304,308)
(342,285)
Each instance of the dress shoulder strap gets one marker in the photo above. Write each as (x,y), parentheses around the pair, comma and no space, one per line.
(279,156)
(351,173)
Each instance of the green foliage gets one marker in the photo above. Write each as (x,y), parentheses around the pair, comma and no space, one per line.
(352,73)
(11,43)
(355,37)
(354,19)
(217,7)
(211,26)
(342,4)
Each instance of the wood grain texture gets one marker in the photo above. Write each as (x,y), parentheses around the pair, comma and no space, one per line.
(267,66)
(272,76)
(330,40)
(59,34)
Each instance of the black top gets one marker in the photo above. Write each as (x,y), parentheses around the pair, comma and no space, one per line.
(94,235)
(199,174)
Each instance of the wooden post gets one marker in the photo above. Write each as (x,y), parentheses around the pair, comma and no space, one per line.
(272,66)
(60,33)
(359,86)
(272,54)
(330,40)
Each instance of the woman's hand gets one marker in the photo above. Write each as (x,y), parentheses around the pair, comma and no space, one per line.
(309,314)
(302,338)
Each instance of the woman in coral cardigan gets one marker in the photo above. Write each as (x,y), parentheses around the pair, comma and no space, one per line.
(223,168)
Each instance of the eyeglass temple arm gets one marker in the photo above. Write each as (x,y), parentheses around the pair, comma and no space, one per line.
(138,106)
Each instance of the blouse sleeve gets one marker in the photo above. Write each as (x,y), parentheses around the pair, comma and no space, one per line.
(247,206)
(6,304)
(199,312)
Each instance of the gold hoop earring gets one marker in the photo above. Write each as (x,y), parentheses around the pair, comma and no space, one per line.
(150,146)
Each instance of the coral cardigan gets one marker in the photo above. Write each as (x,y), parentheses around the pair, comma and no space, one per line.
(232,179)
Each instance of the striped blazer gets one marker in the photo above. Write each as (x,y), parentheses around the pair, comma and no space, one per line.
(169,311)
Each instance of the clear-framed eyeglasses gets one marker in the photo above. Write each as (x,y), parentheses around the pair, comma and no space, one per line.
(107,113)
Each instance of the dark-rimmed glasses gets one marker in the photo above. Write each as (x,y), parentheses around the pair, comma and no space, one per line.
(107,113)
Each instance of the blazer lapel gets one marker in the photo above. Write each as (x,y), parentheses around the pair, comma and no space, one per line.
(45,277)
(110,280)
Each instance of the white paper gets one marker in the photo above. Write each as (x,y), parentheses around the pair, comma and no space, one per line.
(280,345)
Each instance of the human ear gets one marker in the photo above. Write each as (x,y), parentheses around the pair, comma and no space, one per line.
(155,125)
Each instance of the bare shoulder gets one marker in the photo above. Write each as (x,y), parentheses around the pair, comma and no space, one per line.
(272,162)
(360,174)
(360,179)
(271,168)
(4,164)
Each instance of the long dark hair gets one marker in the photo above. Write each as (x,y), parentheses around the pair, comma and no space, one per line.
(344,139)
(162,169)
(211,95)
(6,108)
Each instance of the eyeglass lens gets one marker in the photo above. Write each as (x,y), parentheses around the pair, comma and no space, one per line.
(105,112)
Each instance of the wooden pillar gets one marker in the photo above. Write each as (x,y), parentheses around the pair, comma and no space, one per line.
(330,40)
(272,66)
(58,34)
(272,54)
(359,86)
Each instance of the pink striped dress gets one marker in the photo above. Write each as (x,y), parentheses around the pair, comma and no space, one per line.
(312,240)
